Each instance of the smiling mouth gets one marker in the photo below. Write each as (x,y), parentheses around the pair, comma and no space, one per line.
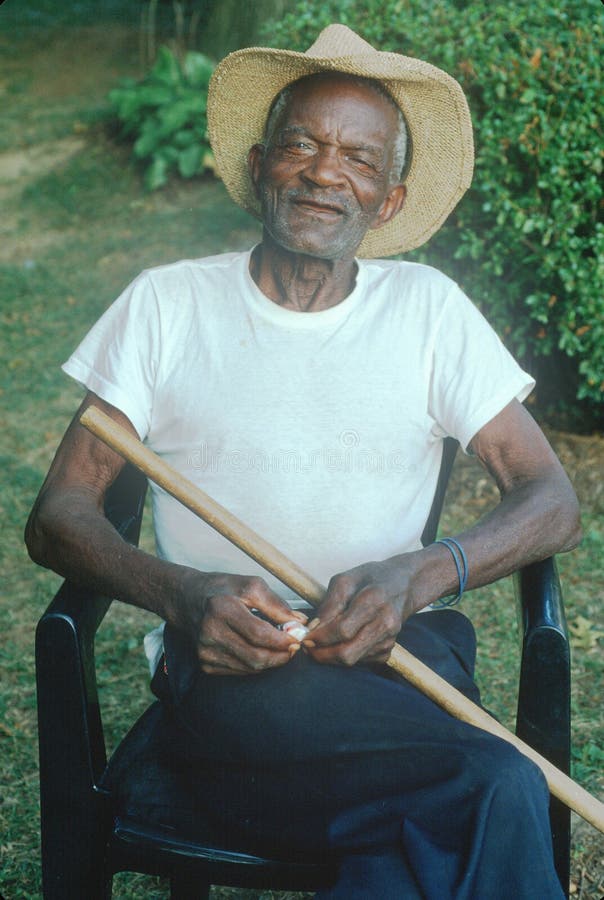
(322,209)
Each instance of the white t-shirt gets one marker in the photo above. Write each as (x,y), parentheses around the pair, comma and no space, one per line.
(322,431)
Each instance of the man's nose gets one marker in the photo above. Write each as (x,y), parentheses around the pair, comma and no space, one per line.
(325,168)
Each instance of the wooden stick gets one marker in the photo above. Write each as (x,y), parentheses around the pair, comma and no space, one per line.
(403,662)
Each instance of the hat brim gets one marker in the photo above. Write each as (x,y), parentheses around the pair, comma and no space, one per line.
(246,82)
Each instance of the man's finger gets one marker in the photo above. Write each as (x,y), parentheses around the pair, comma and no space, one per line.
(257,595)
(364,610)
(233,623)
(260,633)
(334,607)
(234,653)
(340,590)
(349,654)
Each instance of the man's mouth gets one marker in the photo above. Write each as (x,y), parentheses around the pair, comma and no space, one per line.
(320,208)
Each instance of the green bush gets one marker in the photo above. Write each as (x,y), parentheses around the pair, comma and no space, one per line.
(166,114)
(527,241)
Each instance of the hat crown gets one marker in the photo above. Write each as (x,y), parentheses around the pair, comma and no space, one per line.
(337,41)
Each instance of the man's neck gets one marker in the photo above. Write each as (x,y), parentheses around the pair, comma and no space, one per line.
(299,282)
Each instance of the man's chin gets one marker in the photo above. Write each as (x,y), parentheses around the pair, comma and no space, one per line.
(323,246)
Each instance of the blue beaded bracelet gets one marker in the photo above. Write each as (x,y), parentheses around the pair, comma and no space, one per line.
(461,564)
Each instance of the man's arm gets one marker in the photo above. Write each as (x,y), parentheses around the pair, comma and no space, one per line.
(67,531)
(538,515)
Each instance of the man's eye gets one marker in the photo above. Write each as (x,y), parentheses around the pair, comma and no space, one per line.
(294,146)
(360,162)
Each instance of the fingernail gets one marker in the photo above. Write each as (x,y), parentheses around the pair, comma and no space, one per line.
(293,649)
(313,624)
(310,644)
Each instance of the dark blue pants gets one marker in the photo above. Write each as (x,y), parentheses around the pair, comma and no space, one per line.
(359,763)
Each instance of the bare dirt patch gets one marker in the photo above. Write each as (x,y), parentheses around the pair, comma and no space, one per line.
(19,166)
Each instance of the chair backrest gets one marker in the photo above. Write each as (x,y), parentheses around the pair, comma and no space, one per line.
(450,446)
(124,502)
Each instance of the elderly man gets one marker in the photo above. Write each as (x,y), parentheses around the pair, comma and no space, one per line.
(309,391)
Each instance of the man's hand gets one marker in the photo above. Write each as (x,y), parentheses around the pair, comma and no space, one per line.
(363,612)
(215,610)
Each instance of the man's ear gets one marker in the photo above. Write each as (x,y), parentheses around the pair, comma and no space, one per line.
(391,205)
(254,164)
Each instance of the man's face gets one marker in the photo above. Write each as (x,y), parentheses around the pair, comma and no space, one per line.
(325,177)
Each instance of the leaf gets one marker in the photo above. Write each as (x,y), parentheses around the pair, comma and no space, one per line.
(127,106)
(197,69)
(189,161)
(156,176)
(148,141)
(154,94)
(172,118)
(585,634)
(184,138)
(166,68)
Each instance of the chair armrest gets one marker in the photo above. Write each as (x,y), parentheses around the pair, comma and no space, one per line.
(544,691)
(543,718)
(69,720)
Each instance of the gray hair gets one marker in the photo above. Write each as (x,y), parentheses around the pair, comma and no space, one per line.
(401,156)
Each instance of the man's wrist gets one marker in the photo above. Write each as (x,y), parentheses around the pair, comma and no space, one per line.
(447,571)
(159,586)
(183,599)
(431,574)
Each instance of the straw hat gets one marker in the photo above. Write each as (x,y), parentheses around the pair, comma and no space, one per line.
(246,82)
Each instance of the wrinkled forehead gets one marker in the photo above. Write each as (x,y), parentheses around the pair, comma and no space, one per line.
(339,86)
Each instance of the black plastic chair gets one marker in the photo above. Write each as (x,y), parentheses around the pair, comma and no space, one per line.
(89,829)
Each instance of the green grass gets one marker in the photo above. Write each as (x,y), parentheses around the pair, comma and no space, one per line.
(75,232)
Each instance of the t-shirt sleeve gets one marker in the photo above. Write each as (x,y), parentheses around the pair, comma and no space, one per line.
(474,376)
(118,358)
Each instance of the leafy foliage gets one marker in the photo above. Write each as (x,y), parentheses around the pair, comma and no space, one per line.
(166,114)
(527,241)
